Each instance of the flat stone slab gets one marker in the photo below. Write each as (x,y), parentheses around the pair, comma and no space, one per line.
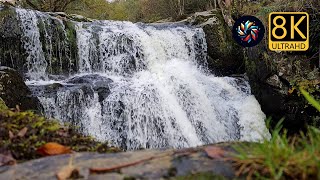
(146,164)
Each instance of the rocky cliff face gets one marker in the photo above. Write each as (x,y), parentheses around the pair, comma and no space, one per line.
(274,79)
(12,53)
(225,56)
(58,39)
(276,76)
(57,35)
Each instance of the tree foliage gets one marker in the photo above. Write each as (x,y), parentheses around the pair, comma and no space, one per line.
(48,5)
(131,10)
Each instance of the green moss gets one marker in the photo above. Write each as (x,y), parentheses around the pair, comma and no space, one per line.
(40,131)
(5,13)
(3,105)
(72,39)
(199,176)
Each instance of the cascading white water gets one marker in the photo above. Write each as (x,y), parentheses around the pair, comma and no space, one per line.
(40,59)
(36,63)
(147,86)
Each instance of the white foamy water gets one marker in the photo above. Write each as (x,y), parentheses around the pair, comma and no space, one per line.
(147,86)
(35,62)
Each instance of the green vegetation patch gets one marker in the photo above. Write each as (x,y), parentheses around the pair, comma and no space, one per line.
(199,176)
(281,158)
(21,133)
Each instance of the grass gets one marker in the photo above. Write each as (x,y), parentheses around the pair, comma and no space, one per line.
(282,157)
(310,99)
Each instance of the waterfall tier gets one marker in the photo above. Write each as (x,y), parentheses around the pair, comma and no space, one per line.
(135,85)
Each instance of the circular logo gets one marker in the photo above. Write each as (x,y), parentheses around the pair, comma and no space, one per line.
(248,31)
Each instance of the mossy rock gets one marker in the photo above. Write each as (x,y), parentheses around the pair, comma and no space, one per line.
(3,105)
(225,57)
(15,92)
(281,99)
(40,131)
(60,53)
(12,53)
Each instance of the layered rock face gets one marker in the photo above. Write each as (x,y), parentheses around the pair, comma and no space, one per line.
(20,50)
(225,56)
(58,37)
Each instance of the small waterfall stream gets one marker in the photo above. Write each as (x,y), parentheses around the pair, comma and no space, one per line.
(137,85)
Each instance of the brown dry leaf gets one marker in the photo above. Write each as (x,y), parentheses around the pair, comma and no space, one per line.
(7,159)
(22,132)
(11,135)
(214,152)
(52,148)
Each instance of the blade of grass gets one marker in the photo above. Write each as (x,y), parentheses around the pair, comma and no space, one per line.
(310,99)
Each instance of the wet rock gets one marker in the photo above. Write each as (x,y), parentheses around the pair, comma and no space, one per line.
(98,83)
(89,79)
(275,82)
(149,164)
(54,87)
(225,57)
(12,53)
(79,18)
(60,31)
(14,91)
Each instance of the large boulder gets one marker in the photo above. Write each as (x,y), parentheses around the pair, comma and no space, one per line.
(192,163)
(15,92)
(225,56)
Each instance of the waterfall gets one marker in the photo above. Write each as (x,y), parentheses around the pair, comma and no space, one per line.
(36,63)
(46,44)
(138,85)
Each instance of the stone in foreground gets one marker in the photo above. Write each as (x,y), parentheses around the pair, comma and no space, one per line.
(148,164)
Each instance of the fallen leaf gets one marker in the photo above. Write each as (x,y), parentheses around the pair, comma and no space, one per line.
(11,135)
(214,152)
(52,148)
(7,159)
(22,132)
